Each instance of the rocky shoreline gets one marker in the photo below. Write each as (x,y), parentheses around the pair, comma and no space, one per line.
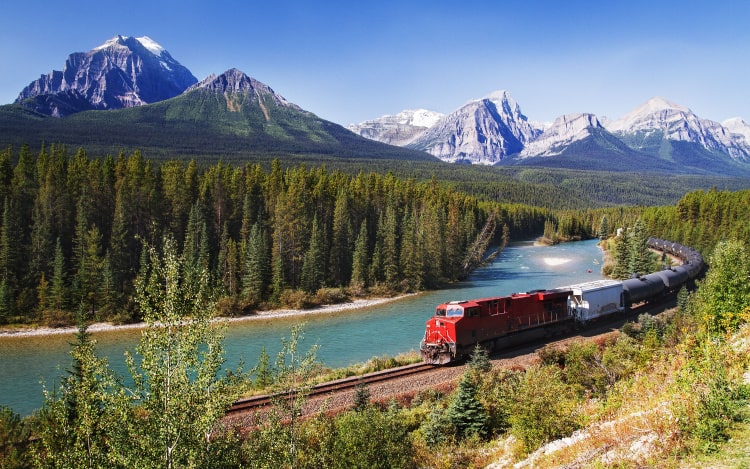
(270,314)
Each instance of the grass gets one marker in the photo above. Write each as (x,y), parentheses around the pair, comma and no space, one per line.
(735,453)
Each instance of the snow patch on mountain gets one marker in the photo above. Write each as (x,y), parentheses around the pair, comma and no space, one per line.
(399,129)
(737,126)
(123,72)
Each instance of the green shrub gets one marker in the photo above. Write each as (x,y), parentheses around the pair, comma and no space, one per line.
(543,407)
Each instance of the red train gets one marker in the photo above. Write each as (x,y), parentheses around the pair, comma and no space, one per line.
(457,327)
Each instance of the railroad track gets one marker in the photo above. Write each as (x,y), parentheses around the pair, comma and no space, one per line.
(251,403)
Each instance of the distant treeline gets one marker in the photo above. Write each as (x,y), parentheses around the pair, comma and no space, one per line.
(73,230)
(702,219)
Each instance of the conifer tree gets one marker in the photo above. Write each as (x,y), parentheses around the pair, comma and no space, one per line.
(313,267)
(8,262)
(341,243)
(257,266)
(410,258)
(359,260)
(639,256)
(465,412)
(58,288)
(620,269)
(77,423)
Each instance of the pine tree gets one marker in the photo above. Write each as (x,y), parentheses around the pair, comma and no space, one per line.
(341,243)
(391,274)
(621,256)
(639,256)
(58,289)
(8,262)
(603,231)
(359,260)
(257,266)
(410,257)
(313,267)
(77,423)
(465,412)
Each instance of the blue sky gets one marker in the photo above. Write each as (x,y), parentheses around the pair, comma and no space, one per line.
(352,61)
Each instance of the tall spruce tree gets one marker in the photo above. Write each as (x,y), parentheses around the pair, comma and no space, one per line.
(257,266)
(639,257)
(359,259)
(313,267)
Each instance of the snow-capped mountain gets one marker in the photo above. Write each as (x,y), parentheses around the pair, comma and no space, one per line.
(658,119)
(564,131)
(400,129)
(737,126)
(483,131)
(123,72)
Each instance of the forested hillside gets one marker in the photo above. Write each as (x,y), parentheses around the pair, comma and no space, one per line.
(73,228)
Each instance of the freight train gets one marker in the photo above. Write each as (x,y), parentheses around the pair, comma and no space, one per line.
(499,322)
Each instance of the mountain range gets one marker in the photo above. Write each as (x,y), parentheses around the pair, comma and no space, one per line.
(129,93)
(153,102)
(658,135)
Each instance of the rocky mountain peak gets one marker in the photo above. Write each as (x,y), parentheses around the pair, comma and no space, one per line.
(236,82)
(564,131)
(672,122)
(737,126)
(123,72)
(483,131)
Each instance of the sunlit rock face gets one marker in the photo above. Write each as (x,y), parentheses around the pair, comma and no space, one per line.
(123,72)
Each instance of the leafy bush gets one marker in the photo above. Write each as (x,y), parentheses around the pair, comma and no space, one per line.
(331,296)
(543,407)
(296,299)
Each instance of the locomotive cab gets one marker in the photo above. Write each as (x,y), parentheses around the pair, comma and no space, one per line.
(439,343)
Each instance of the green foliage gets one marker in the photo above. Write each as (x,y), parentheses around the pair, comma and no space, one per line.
(77,425)
(717,398)
(361,397)
(14,440)
(723,300)
(631,254)
(543,407)
(178,396)
(466,413)
(371,439)
(257,233)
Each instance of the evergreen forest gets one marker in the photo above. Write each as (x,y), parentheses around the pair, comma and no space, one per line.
(73,230)
(673,387)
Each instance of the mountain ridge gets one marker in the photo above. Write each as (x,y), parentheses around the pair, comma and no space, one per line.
(655,132)
(243,113)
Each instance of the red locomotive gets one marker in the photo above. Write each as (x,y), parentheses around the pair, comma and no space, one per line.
(459,326)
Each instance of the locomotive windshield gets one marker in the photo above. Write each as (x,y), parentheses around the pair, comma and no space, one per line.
(440,311)
(455,311)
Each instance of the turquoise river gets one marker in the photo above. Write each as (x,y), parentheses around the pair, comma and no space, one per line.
(344,338)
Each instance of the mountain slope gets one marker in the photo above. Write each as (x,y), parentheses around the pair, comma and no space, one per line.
(123,72)
(229,115)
